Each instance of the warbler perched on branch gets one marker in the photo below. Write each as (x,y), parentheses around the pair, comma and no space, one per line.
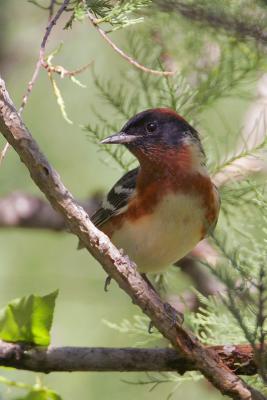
(158,212)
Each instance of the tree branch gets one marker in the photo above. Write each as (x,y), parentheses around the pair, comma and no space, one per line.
(119,267)
(28,211)
(72,359)
(208,15)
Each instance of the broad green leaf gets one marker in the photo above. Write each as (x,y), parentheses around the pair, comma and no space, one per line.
(41,394)
(28,319)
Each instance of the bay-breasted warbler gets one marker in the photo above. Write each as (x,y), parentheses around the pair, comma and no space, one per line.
(158,212)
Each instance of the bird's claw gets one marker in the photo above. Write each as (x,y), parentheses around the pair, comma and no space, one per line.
(107,283)
(150,327)
(175,316)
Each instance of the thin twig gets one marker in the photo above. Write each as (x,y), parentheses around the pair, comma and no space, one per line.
(60,70)
(51,9)
(3,152)
(123,54)
(39,63)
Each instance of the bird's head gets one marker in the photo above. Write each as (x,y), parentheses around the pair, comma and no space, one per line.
(155,134)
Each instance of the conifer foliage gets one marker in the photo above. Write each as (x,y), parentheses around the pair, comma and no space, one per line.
(203,59)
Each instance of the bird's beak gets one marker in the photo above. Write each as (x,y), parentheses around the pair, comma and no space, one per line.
(119,138)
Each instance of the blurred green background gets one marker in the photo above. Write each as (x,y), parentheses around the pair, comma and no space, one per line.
(40,262)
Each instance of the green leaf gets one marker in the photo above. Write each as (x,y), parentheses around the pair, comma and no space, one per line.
(28,319)
(41,394)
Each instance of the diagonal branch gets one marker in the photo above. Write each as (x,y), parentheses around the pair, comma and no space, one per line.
(72,359)
(119,267)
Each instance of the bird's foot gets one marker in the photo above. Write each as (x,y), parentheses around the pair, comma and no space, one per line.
(150,327)
(149,283)
(175,316)
(161,284)
(107,283)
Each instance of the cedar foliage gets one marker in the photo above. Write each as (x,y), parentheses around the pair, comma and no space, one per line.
(217,50)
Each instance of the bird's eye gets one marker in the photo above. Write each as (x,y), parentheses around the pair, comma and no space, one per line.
(151,127)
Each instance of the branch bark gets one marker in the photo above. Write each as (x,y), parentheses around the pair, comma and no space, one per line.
(72,359)
(119,267)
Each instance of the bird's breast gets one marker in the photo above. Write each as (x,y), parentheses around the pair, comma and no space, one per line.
(163,236)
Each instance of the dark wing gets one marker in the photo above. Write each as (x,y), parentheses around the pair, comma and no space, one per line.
(117,199)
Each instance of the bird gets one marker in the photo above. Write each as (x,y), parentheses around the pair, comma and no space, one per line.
(158,212)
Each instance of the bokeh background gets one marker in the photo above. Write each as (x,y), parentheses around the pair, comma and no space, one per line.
(40,262)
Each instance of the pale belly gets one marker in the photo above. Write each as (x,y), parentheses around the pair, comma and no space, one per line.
(159,239)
